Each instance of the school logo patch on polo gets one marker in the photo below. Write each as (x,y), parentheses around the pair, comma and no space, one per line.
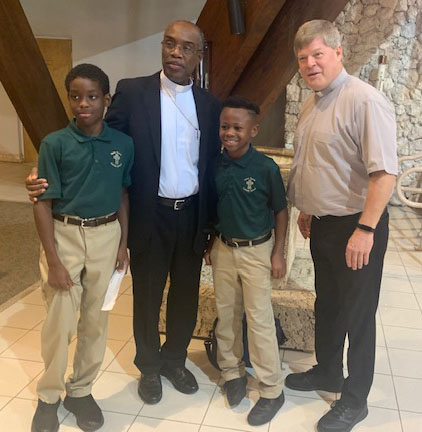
(116,155)
(250,184)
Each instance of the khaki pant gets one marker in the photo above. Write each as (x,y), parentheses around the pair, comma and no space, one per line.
(242,281)
(89,255)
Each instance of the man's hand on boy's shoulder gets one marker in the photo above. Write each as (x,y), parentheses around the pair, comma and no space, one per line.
(34,185)
(278,265)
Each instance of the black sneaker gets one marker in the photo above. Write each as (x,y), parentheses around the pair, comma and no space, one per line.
(314,379)
(45,417)
(87,412)
(342,417)
(235,390)
(265,410)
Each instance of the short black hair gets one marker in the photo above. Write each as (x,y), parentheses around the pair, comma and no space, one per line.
(241,102)
(90,71)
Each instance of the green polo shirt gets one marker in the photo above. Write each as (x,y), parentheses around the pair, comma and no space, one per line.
(85,173)
(250,190)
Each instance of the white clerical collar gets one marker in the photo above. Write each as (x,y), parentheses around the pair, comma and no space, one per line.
(173,87)
(341,77)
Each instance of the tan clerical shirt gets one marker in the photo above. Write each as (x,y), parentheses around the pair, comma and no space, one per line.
(345,132)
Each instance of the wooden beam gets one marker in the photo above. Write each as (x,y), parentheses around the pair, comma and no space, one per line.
(231,53)
(274,64)
(25,76)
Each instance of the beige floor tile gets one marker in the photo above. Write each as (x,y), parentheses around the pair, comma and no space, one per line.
(216,429)
(16,374)
(180,407)
(220,415)
(26,348)
(380,420)
(124,306)
(113,422)
(123,362)
(30,391)
(35,298)
(409,395)
(405,363)
(17,415)
(397,283)
(411,422)
(4,400)
(403,338)
(401,317)
(22,316)
(411,259)
(398,299)
(382,393)
(394,270)
(298,414)
(8,336)
(198,363)
(145,424)
(118,393)
(120,327)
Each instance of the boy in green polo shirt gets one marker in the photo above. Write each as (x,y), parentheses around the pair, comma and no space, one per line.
(244,256)
(82,221)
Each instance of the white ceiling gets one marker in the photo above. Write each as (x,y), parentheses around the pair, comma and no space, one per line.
(100,25)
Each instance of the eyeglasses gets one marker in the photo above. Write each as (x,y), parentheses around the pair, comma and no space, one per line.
(188,50)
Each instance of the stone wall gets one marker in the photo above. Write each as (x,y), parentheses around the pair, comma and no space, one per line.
(371,28)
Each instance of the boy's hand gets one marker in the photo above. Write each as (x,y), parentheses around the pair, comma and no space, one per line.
(59,278)
(34,185)
(122,262)
(278,265)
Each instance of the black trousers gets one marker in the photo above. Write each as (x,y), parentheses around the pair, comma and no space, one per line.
(346,303)
(170,252)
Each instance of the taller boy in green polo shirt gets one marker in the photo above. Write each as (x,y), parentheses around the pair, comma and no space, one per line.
(244,256)
(82,222)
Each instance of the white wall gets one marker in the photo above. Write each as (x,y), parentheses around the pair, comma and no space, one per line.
(10,130)
(139,58)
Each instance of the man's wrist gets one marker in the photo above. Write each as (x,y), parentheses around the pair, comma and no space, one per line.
(366,228)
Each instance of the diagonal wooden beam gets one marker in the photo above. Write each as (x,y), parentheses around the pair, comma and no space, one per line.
(25,76)
(273,64)
(231,53)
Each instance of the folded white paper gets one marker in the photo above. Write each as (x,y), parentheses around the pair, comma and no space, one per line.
(113,289)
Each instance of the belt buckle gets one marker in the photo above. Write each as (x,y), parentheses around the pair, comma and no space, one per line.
(176,204)
(233,243)
(83,223)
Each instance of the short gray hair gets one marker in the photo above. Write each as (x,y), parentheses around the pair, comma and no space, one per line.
(316,28)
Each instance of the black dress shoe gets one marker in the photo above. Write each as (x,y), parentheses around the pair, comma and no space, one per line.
(314,379)
(87,412)
(45,417)
(264,410)
(235,390)
(342,417)
(182,379)
(150,389)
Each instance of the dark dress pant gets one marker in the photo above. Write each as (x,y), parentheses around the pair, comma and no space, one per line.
(346,303)
(170,252)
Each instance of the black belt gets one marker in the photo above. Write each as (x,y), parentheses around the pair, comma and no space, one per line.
(241,243)
(179,203)
(93,222)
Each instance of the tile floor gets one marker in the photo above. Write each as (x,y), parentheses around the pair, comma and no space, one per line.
(395,400)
